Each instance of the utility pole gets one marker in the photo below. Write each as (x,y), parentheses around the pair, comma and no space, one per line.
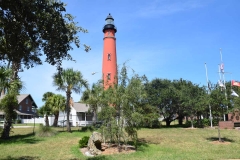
(209,91)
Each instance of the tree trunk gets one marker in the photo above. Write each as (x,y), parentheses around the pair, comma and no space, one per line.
(47,121)
(192,121)
(219,135)
(180,119)
(68,110)
(15,67)
(8,122)
(168,122)
(94,117)
(6,129)
(55,123)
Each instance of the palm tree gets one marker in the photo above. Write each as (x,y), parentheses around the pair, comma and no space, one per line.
(56,103)
(4,79)
(47,95)
(69,80)
(9,103)
(45,111)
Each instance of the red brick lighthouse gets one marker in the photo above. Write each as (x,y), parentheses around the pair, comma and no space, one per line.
(109,65)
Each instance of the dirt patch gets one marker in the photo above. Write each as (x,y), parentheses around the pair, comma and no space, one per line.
(113,149)
(223,142)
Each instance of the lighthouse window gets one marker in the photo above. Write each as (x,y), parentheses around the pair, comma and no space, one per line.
(109,76)
(109,56)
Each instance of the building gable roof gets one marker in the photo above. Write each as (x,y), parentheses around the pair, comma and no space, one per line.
(80,107)
(21,97)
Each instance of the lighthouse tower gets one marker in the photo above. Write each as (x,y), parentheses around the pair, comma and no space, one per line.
(109,65)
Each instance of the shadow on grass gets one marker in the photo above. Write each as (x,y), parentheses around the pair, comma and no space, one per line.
(175,126)
(171,126)
(21,158)
(27,138)
(77,129)
(223,139)
(99,158)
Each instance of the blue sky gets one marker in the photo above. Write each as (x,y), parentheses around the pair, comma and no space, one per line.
(159,38)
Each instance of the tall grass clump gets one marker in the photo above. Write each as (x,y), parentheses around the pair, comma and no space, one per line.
(45,131)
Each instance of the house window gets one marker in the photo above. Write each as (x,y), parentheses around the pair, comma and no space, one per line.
(109,56)
(89,117)
(26,100)
(109,76)
(20,108)
(28,108)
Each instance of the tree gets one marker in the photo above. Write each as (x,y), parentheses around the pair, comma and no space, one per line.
(218,102)
(45,111)
(121,110)
(93,97)
(5,78)
(56,104)
(29,29)
(163,95)
(69,80)
(46,96)
(194,100)
(9,102)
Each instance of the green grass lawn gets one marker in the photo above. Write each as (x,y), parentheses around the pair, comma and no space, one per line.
(25,124)
(164,143)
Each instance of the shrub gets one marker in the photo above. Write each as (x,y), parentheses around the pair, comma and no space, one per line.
(45,131)
(18,121)
(98,124)
(206,122)
(189,123)
(87,128)
(83,142)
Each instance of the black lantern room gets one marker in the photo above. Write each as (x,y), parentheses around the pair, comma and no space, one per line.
(109,23)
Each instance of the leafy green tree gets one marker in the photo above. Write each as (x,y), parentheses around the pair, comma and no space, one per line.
(163,95)
(194,100)
(218,102)
(233,101)
(5,77)
(45,111)
(150,116)
(56,104)
(122,114)
(46,96)
(93,97)
(69,80)
(29,29)
(9,102)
